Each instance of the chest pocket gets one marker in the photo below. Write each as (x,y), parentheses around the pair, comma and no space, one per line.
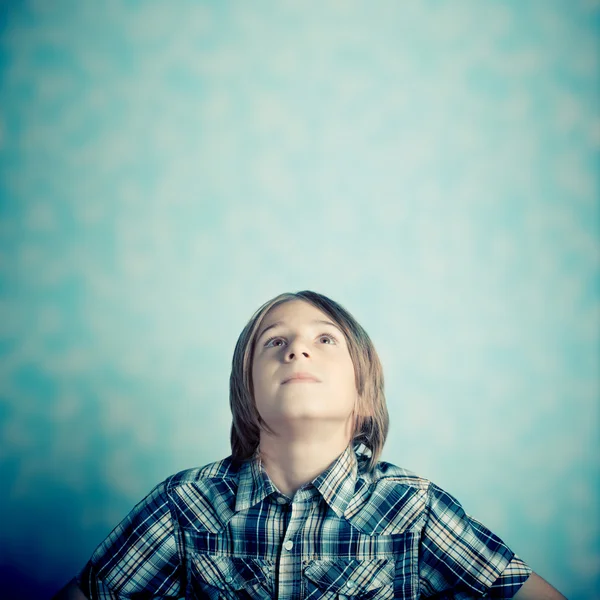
(218,577)
(338,579)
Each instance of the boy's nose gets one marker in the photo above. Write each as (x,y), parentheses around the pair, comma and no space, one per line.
(292,355)
(297,349)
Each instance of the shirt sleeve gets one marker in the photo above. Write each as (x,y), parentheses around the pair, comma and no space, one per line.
(461,558)
(140,557)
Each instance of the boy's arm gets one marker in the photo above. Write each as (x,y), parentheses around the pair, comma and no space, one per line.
(536,588)
(71,591)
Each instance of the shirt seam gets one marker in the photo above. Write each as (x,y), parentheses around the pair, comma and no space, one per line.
(178,533)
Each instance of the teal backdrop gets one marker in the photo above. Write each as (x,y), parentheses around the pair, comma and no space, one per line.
(166,167)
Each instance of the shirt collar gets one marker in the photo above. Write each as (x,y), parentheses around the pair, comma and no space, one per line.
(254,485)
(336,484)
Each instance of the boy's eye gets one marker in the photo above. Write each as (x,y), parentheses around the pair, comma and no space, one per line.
(278,341)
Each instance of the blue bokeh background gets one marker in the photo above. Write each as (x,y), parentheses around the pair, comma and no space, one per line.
(168,167)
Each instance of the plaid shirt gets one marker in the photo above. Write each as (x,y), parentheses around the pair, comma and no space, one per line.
(225,531)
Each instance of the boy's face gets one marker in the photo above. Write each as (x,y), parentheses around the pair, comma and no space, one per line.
(304,340)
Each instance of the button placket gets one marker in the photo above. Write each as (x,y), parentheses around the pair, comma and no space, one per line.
(290,565)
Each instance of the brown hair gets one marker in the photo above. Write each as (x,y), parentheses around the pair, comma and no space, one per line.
(372,416)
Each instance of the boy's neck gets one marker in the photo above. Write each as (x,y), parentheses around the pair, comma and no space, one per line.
(294,460)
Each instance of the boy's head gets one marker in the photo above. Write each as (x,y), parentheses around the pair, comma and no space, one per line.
(332,348)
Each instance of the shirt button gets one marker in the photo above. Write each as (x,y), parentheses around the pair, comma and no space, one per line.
(228,579)
(281,500)
(350,584)
(288,545)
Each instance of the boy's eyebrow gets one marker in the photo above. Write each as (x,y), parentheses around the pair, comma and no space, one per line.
(277,323)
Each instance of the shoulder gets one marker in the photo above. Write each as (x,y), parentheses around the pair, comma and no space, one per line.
(389,500)
(217,481)
(387,474)
(204,497)
(403,482)
(225,470)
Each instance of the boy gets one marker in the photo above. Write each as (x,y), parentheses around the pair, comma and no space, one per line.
(303,508)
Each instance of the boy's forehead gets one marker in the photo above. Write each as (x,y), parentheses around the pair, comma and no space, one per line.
(291,309)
